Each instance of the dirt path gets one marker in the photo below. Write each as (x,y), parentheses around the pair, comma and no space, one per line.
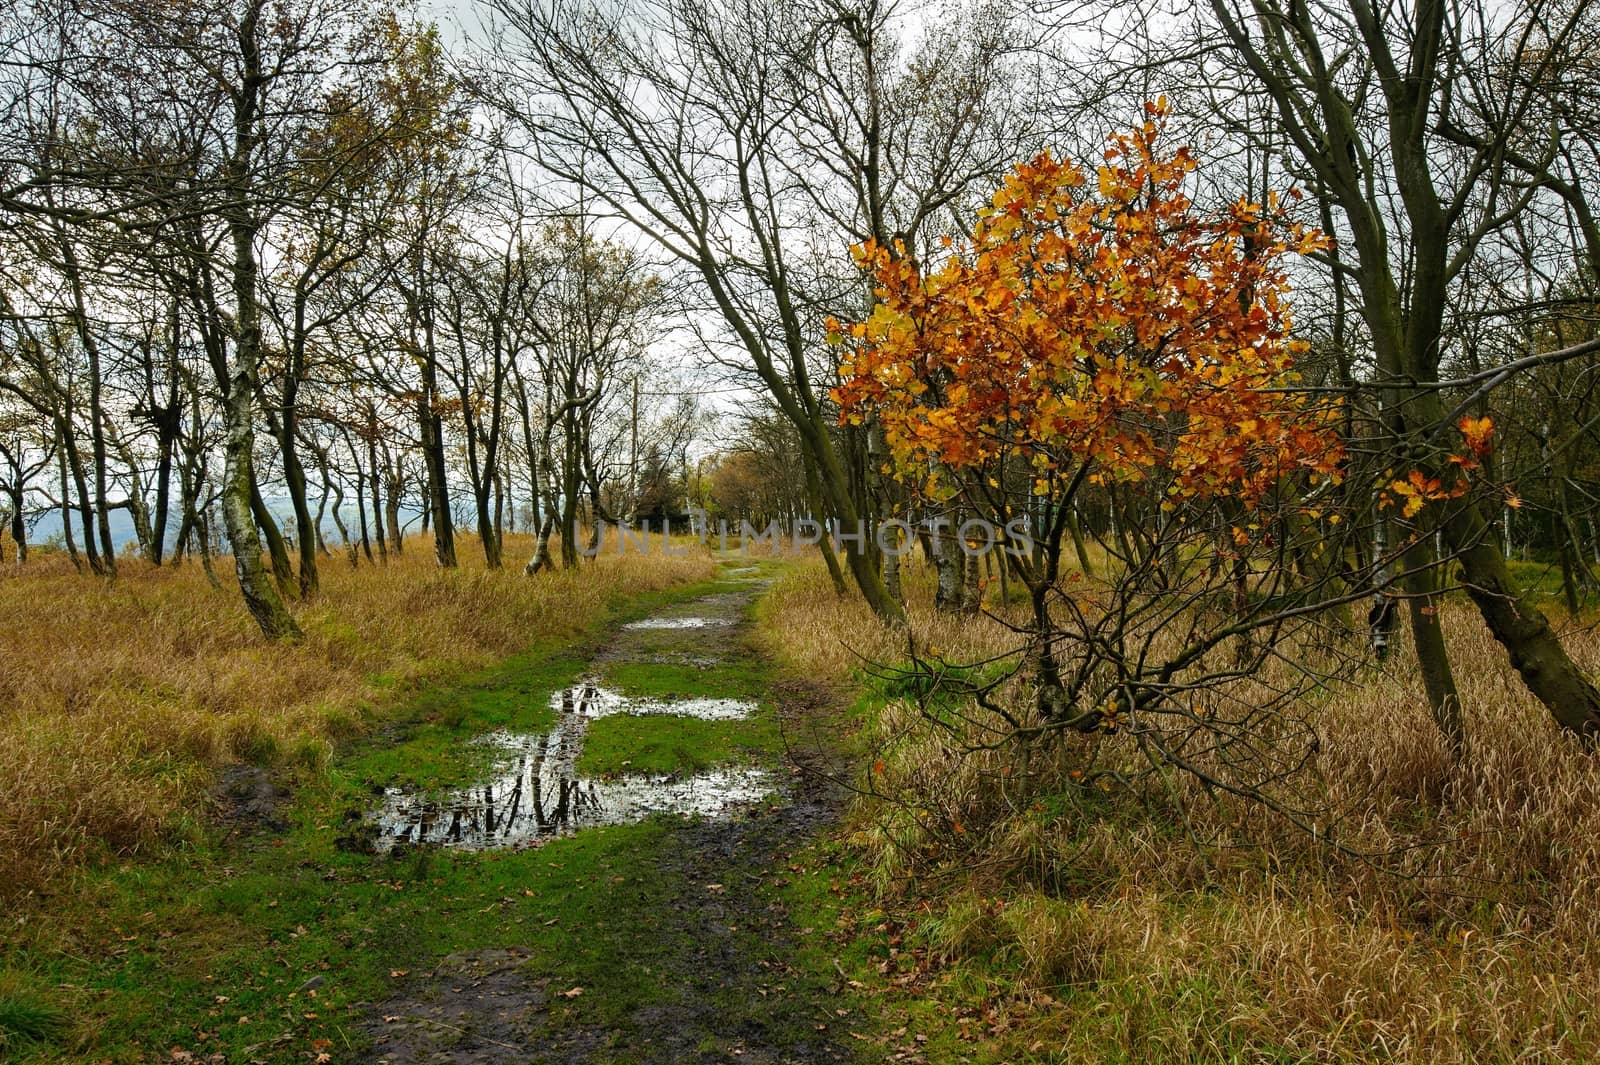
(717,941)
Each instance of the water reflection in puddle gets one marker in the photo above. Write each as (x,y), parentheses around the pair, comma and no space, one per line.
(535,792)
(678,623)
(590,700)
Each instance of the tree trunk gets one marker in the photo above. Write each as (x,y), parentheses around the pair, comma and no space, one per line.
(971,583)
(137,511)
(361,511)
(19,525)
(277,549)
(203,527)
(1076,529)
(1520,627)
(1427,637)
(947,558)
(829,557)
(541,548)
(294,476)
(97,436)
(569,494)
(66,507)
(377,497)
(891,567)
(395,488)
(238,478)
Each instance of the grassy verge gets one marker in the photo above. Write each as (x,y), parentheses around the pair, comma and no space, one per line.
(1088,928)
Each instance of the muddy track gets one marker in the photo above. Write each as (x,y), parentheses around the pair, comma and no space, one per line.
(724,942)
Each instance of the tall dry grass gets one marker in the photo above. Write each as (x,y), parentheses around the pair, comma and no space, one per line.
(1464,927)
(119,699)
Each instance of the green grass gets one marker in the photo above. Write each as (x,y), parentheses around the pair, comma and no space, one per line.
(26,1021)
(207,948)
(213,953)
(663,743)
(742,677)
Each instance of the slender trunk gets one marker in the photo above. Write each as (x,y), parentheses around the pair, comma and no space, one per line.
(19,524)
(947,558)
(238,478)
(97,435)
(1427,637)
(524,411)
(595,530)
(277,549)
(444,538)
(431,427)
(158,530)
(377,493)
(569,494)
(541,548)
(395,491)
(338,523)
(191,480)
(137,511)
(294,477)
(971,582)
(203,526)
(361,512)
(80,482)
(500,509)
(829,558)
(891,567)
(66,506)
(169,424)
(322,512)
(483,487)
(1075,528)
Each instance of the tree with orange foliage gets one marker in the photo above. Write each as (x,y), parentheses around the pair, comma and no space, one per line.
(1103,330)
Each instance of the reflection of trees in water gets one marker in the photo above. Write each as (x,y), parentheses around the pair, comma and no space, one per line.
(541,797)
(537,793)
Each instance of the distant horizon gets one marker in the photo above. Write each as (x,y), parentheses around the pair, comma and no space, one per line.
(46,526)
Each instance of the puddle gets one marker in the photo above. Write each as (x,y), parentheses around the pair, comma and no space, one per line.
(535,792)
(590,700)
(678,623)
(536,796)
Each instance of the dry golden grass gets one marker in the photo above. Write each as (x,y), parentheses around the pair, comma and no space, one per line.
(1472,933)
(119,699)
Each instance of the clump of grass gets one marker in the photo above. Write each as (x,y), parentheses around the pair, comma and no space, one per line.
(118,700)
(1107,933)
(25,1021)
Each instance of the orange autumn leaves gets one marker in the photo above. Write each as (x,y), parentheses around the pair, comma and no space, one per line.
(1417,489)
(1105,323)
